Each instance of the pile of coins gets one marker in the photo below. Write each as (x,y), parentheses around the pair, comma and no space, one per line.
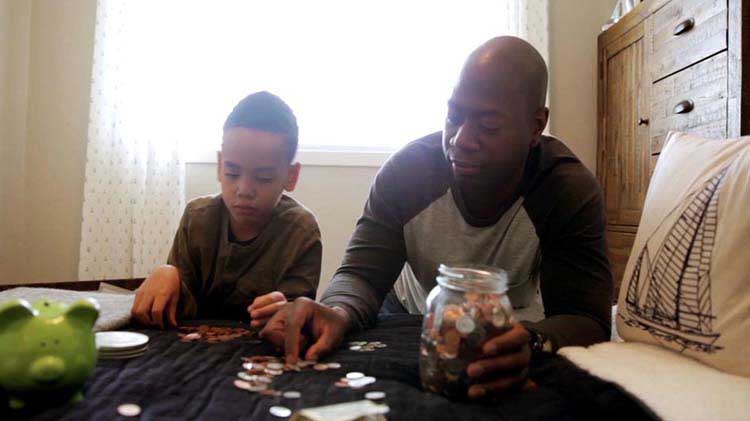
(211,334)
(452,338)
(364,346)
(260,370)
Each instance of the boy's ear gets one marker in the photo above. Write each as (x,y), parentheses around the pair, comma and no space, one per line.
(85,311)
(218,166)
(15,310)
(292,177)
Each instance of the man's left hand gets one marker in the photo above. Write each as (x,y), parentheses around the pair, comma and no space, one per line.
(504,365)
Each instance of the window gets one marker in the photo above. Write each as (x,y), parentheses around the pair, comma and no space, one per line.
(360,76)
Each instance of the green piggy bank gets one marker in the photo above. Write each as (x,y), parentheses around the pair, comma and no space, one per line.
(47,350)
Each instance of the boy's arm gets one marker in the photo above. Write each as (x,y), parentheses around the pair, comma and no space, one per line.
(302,277)
(179,256)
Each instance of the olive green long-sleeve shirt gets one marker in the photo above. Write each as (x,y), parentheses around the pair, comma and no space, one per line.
(220,277)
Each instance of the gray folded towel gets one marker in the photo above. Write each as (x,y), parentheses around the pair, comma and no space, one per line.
(114,309)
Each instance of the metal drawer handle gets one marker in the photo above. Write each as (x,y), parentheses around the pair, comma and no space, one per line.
(684,26)
(642,121)
(684,107)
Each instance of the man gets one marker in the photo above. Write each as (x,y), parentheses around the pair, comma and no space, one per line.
(490,190)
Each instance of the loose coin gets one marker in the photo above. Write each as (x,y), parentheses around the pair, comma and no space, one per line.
(241,384)
(129,410)
(334,366)
(355,347)
(375,395)
(354,375)
(292,394)
(275,366)
(280,411)
(320,367)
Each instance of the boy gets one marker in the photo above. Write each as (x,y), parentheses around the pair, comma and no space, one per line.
(250,248)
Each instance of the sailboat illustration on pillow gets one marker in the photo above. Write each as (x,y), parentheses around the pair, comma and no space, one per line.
(669,294)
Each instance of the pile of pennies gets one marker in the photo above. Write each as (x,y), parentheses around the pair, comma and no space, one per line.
(260,370)
(452,338)
(212,334)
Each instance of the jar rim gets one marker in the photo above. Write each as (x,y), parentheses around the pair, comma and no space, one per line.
(466,277)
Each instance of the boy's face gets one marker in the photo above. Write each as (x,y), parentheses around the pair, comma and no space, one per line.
(253,171)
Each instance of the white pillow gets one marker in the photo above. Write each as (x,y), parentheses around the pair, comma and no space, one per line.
(687,283)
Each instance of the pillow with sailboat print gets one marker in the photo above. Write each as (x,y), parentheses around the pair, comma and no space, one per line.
(687,283)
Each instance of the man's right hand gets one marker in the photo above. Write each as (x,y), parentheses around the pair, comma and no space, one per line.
(326,325)
(158,297)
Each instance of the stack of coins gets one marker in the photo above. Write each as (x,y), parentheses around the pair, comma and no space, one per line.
(453,335)
(260,371)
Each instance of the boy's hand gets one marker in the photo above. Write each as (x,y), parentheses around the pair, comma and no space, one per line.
(157,297)
(326,325)
(504,364)
(264,307)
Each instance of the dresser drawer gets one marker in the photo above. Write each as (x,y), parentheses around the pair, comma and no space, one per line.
(693,100)
(686,32)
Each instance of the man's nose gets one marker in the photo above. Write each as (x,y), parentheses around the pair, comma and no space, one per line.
(466,137)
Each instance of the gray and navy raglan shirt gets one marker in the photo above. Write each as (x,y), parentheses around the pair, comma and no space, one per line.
(551,241)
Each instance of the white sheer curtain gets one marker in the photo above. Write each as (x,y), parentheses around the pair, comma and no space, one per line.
(359,75)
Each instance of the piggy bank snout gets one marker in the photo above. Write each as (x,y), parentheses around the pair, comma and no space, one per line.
(47,369)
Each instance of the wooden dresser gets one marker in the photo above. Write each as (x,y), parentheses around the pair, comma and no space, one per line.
(667,65)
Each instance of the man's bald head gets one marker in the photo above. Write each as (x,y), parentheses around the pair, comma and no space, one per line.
(506,64)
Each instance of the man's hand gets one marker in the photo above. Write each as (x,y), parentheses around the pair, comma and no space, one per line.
(505,363)
(327,327)
(265,306)
(157,297)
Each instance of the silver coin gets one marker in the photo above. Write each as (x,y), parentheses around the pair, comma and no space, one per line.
(380,345)
(272,372)
(246,377)
(320,367)
(361,382)
(375,395)
(280,411)
(250,366)
(465,325)
(355,347)
(129,410)
(264,379)
(292,394)
(354,375)
(357,343)
(334,366)
(275,366)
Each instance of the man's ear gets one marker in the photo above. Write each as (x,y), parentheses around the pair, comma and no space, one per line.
(218,166)
(539,120)
(85,311)
(15,310)
(292,177)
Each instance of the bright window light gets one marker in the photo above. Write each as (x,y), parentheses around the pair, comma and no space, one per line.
(360,76)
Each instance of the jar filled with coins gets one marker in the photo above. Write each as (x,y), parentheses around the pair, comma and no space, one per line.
(468,306)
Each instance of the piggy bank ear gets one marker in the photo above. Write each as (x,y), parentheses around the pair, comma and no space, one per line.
(15,310)
(85,311)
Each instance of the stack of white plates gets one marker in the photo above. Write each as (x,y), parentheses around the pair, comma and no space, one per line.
(120,345)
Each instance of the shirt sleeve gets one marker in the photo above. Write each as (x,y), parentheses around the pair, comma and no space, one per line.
(375,255)
(576,281)
(302,277)
(187,267)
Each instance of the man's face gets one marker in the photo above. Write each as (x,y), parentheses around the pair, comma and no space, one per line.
(254,171)
(487,136)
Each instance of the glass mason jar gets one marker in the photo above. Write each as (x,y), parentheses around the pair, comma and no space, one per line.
(468,305)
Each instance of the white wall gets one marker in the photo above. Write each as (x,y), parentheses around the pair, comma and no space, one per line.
(15,18)
(335,195)
(47,91)
(574,26)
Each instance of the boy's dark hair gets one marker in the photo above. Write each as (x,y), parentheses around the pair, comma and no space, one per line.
(265,111)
